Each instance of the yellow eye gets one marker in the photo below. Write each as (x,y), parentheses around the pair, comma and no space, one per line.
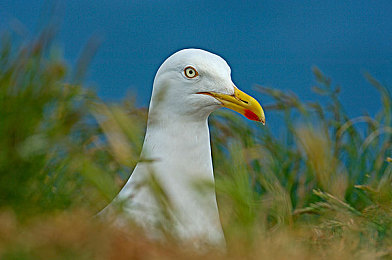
(190,72)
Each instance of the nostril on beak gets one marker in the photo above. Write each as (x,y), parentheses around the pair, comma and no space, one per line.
(246,102)
(239,99)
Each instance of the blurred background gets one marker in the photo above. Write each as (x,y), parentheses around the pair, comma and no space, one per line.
(315,182)
(273,43)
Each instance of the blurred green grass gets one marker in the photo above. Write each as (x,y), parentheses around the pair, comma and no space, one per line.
(321,187)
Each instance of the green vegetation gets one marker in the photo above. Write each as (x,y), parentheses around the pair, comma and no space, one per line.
(321,187)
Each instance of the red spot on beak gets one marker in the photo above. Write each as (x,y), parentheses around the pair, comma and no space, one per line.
(250,115)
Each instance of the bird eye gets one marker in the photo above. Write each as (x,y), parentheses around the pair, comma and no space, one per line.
(190,72)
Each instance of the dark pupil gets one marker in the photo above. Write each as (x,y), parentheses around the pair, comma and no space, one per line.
(190,71)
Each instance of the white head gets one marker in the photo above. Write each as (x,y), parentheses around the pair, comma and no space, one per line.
(192,83)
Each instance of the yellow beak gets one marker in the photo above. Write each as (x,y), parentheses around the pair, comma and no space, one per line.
(241,103)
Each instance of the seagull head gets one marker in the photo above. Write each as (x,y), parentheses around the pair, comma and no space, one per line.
(193,83)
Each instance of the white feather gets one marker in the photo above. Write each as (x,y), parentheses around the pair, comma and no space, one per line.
(177,150)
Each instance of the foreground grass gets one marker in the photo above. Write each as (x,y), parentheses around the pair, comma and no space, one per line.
(319,188)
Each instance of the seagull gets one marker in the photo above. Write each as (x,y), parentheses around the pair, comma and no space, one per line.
(176,154)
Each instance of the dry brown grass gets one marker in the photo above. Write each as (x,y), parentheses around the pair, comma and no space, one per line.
(76,235)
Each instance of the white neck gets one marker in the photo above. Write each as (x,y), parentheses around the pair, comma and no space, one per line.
(181,145)
(181,163)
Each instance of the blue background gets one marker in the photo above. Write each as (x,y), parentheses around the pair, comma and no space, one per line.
(272,43)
